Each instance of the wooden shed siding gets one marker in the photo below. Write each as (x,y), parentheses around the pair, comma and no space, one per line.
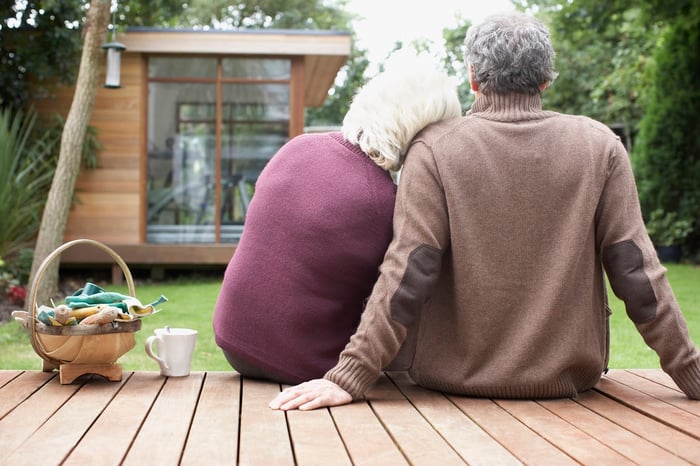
(108,180)
(107,197)
(107,217)
(108,205)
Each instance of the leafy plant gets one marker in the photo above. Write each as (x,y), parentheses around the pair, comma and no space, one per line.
(26,171)
(667,228)
(28,154)
(53,129)
(21,265)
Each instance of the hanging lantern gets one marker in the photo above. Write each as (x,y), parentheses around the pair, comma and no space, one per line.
(114,58)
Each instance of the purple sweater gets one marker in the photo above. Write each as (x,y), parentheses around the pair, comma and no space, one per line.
(315,234)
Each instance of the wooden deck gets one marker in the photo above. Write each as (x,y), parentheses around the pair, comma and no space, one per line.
(632,417)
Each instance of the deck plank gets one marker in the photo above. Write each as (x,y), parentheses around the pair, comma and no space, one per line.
(19,388)
(653,407)
(53,441)
(8,375)
(315,438)
(665,437)
(518,438)
(365,438)
(264,437)
(121,419)
(661,391)
(629,445)
(471,442)
(568,438)
(30,414)
(418,440)
(213,438)
(164,431)
(655,375)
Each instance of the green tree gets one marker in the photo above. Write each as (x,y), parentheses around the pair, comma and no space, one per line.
(350,78)
(27,32)
(163,13)
(454,61)
(602,51)
(667,155)
(264,14)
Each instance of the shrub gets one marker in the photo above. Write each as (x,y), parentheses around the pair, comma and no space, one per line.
(667,151)
(667,228)
(26,171)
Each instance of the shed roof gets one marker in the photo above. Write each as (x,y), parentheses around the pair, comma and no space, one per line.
(324,52)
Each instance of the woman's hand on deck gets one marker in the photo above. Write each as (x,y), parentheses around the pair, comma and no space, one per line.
(317,393)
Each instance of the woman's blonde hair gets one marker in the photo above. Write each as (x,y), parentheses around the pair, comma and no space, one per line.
(387,112)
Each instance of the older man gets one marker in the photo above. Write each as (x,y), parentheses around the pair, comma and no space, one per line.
(504,224)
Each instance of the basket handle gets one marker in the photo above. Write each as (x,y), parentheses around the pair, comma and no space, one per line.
(34,289)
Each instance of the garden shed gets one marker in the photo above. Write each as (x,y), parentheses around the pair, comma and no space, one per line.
(197,117)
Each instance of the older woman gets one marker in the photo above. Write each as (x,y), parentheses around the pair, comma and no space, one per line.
(318,226)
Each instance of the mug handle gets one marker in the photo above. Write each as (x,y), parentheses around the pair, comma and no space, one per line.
(157,341)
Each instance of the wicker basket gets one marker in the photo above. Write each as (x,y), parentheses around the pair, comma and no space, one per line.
(76,350)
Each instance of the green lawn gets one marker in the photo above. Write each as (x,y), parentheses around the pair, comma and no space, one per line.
(191,303)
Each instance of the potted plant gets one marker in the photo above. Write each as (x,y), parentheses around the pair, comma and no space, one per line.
(667,231)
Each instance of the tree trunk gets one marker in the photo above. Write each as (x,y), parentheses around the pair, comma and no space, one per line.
(60,197)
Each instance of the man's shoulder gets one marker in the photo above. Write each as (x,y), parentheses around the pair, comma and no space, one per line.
(585,122)
(437,130)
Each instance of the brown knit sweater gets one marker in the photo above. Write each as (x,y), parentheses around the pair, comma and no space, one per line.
(505,221)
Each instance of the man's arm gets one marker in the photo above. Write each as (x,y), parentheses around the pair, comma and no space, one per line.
(638,278)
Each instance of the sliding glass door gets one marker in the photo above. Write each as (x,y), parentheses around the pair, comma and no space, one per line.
(213,123)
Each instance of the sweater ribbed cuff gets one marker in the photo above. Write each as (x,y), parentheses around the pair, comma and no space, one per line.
(688,379)
(352,377)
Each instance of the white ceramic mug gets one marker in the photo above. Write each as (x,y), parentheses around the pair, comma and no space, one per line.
(172,349)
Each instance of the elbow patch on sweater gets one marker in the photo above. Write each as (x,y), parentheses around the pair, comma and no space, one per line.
(624,263)
(419,279)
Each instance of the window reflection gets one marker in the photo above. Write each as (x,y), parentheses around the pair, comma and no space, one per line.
(253,68)
(184,148)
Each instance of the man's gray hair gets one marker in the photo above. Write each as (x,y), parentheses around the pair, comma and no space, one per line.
(510,53)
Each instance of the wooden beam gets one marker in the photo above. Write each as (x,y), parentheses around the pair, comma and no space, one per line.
(152,254)
(246,42)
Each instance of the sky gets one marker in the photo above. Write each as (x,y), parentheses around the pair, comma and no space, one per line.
(384,22)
